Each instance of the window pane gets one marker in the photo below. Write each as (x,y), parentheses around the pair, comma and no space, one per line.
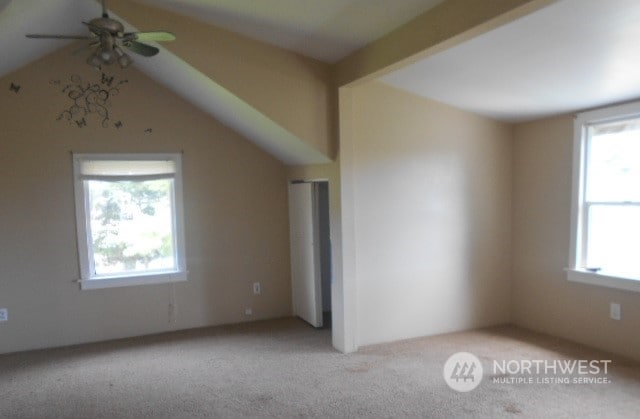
(614,239)
(613,162)
(131,226)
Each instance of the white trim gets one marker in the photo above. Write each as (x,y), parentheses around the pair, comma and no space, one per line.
(576,271)
(346,285)
(575,253)
(126,281)
(602,280)
(610,114)
(178,207)
(84,251)
(89,280)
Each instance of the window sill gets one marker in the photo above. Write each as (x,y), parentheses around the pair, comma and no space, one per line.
(602,280)
(128,281)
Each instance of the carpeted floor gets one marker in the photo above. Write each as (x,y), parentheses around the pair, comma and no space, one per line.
(283,368)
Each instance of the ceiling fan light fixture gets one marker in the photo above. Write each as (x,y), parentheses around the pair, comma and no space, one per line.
(123,58)
(94,60)
(107,56)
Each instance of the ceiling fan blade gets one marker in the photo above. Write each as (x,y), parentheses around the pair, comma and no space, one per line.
(142,49)
(157,36)
(58,36)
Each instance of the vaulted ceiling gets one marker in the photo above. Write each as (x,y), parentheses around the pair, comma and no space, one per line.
(326,30)
(565,56)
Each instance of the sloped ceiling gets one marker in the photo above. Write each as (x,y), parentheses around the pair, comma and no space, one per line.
(65,16)
(45,17)
(327,29)
(566,56)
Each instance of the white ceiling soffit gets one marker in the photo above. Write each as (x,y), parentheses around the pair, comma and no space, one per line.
(571,55)
(326,30)
(19,17)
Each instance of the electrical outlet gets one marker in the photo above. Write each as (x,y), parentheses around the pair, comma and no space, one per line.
(615,311)
(256,288)
(248,311)
(4,315)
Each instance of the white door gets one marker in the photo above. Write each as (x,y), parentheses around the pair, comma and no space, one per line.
(305,253)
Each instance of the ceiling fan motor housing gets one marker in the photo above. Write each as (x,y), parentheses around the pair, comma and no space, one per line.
(106,24)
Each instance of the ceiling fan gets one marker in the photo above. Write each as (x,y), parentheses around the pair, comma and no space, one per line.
(109,37)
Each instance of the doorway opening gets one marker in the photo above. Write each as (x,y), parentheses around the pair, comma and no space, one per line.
(311,266)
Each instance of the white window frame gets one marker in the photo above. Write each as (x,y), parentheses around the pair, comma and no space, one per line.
(89,280)
(576,272)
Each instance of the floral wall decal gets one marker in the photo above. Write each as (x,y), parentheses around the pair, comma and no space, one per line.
(90,99)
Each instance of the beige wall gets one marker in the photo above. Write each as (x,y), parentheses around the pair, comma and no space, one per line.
(543,299)
(235,214)
(441,220)
(292,90)
(431,209)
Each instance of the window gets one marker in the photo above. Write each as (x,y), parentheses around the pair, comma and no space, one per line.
(606,198)
(129,216)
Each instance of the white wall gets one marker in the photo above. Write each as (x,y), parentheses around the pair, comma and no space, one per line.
(431,192)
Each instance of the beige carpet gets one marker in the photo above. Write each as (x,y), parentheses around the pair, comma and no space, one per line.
(284,368)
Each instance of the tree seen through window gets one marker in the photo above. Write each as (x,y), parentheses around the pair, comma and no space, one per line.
(131,225)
